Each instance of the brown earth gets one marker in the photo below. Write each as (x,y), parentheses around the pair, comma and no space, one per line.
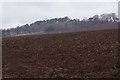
(91,54)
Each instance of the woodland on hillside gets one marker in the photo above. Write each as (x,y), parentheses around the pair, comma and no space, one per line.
(58,25)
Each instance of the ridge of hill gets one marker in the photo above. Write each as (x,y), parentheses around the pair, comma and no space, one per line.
(65,24)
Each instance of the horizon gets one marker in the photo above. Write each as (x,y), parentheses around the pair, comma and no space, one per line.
(17,14)
(86,18)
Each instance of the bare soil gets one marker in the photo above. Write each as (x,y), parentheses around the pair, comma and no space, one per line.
(90,54)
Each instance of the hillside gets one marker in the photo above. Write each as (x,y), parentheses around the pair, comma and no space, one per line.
(105,26)
(88,54)
(65,24)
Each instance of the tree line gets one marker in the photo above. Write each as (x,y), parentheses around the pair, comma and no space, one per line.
(59,25)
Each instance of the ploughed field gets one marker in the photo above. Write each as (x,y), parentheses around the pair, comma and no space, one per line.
(90,54)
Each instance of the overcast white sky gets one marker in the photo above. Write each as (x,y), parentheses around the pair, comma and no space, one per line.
(17,13)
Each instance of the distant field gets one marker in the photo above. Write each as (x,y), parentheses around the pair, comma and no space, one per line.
(90,54)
